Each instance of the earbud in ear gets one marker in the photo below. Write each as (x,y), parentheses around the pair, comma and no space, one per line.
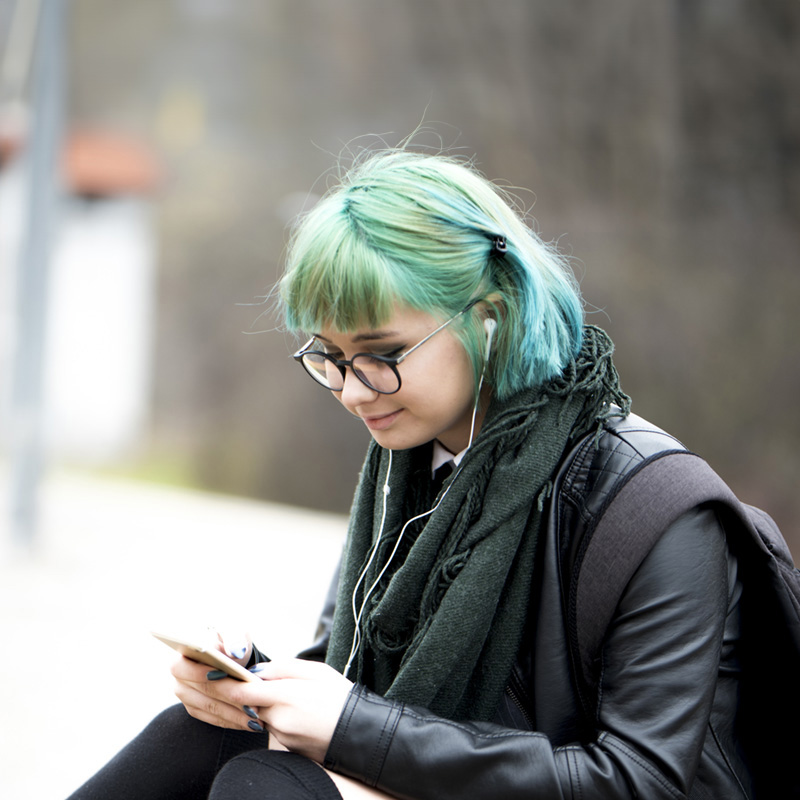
(490,326)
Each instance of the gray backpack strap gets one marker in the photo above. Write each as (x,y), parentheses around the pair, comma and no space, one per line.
(659,491)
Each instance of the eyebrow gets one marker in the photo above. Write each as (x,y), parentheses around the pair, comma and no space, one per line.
(371,336)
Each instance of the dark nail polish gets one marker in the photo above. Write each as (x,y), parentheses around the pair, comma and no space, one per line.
(255,726)
(216,675)
(250,712)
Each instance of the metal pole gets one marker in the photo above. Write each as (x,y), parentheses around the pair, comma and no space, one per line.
(42,160)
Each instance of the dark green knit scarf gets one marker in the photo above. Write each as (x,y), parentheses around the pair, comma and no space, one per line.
(444,624)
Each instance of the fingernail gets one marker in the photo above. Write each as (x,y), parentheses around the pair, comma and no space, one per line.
(216,674)
(255,726)
(250,712)
(238,652)
(258,668)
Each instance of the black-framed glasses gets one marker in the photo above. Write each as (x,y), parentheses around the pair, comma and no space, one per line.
(379,373)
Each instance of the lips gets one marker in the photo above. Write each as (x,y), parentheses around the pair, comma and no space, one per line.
(381,422)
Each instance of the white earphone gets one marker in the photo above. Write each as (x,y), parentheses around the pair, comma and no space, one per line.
(490,326)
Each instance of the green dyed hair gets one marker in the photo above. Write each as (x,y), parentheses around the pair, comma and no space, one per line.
(418,230)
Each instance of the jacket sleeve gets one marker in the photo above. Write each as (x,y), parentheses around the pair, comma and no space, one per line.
(659,673)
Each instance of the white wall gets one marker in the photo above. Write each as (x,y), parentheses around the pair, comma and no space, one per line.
(100,329)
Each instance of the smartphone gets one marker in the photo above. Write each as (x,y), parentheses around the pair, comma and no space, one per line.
(208,655)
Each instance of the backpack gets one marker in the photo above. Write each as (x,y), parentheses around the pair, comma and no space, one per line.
(640,508)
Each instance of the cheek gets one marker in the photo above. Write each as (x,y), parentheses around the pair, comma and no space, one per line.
(460,372)
(452,381)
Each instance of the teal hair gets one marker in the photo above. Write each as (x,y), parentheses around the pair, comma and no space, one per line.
(419,230)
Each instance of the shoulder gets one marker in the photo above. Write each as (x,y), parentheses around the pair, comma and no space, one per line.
(591,472)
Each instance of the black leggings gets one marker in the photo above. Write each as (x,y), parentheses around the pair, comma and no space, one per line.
(177,757)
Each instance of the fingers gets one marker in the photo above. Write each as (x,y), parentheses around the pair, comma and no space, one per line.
(209,700)
(217,712)
(293,683)
(300,702)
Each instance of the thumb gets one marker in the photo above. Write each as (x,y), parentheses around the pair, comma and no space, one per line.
(235,644)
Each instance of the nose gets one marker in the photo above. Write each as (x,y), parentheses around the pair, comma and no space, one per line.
(354,393)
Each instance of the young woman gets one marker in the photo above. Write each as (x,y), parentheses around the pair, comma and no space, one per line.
(445,664)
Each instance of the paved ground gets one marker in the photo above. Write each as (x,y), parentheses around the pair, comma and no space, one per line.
(80,674)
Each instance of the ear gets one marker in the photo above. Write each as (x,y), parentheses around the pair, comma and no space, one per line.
(492,307)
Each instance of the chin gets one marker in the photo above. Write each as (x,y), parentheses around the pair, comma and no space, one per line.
(392,440)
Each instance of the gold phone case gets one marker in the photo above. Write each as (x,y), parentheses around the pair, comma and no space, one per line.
(208,656)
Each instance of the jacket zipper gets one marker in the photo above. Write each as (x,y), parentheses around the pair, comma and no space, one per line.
(518,703)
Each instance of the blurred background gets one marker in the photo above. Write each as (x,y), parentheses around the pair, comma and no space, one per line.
(153,155)
(660,144)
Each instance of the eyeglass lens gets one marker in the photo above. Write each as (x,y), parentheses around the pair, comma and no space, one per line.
(376,374)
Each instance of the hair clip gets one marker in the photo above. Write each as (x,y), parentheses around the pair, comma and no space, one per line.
(499,246)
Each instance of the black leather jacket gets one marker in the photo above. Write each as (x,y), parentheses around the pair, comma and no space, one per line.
(668,690)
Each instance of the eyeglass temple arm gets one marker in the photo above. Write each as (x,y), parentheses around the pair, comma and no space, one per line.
(403,356)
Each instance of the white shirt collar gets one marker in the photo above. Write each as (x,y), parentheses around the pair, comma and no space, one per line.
(441,455)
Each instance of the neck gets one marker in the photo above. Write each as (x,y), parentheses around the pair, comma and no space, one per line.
(457,440)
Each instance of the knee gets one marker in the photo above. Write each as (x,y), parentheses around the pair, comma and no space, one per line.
(271,775)
(242,774)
